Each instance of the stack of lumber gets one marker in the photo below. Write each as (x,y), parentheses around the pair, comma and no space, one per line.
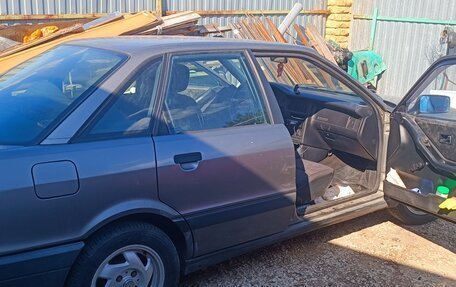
(294,71)
(184,23)
(309,36)
(114,24)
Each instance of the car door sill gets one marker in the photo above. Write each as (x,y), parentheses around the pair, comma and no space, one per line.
(331,215)
(308,209)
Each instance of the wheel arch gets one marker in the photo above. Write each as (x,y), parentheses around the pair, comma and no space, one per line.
(155,213)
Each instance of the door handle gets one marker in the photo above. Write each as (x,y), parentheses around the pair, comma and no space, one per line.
(188,161)
(446,139)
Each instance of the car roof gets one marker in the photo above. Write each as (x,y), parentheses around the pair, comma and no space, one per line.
(134,45)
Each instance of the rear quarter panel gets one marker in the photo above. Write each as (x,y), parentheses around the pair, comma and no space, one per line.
(116,177)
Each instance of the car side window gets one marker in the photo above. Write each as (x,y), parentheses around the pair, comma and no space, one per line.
(296,71)
(200,81)
(209,91)
(130,111)
(438,99)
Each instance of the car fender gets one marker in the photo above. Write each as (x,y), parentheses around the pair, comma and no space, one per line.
(130,208)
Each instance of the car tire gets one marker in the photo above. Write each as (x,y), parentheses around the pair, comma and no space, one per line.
(409,215)
(135,252)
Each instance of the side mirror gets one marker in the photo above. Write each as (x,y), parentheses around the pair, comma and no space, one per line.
(434,104)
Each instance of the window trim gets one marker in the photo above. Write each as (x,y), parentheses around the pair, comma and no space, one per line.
(251,68)
(83,135)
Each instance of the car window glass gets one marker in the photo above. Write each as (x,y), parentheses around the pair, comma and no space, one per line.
(130,111)
(209,91)
(438,99)
(38,93)
(200,81)
(296,71)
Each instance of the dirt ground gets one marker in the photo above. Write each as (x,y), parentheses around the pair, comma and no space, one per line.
(373,250)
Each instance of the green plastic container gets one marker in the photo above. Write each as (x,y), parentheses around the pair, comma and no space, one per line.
(442,191)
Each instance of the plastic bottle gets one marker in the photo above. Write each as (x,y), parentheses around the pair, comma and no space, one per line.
(442,191)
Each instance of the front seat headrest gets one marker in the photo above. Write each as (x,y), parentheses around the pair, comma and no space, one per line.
(179,78)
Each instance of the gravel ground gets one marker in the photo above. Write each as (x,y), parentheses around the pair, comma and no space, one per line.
(370,251)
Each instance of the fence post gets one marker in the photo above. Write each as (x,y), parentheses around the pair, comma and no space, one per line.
(373,29)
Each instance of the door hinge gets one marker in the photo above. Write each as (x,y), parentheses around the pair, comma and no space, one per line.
(386,121)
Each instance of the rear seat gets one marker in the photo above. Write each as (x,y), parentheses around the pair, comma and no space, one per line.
(312,180)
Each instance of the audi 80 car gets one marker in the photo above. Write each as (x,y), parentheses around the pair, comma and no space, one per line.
(132,161)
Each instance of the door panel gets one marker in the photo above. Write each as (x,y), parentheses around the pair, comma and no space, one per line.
(418,167)
(241,189)
(442,135)
(422,143)
(221,163)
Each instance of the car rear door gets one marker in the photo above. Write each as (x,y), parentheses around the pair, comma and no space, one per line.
(225,162)
(421,160)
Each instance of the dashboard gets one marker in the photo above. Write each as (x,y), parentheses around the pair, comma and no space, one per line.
(323,121)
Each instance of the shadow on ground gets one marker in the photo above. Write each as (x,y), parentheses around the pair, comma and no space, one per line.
(330,257)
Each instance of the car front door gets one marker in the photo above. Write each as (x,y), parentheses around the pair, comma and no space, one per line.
(421,161)
(225,162)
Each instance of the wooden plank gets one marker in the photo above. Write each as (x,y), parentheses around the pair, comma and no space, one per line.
(173,21)
(17,32)
(212,28)
(309,76)
(135,22)
(270,69)
(306,75)
(290,74)
(108,18)
(60,33)
(254,12)
(319,43)
(301,34)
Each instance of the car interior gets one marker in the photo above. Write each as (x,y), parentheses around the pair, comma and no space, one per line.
(335,134)
(336,141)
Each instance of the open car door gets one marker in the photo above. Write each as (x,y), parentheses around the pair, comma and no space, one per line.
(421,158)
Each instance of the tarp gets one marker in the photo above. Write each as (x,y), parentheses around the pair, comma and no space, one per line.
(365,66)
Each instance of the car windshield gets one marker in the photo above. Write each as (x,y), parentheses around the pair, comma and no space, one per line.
(38,93)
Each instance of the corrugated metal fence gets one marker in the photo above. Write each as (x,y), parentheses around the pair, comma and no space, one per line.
(73,6)
(245,5)
(408,48)
(10,7)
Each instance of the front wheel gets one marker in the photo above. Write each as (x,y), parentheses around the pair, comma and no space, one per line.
(409,215)
(134,255)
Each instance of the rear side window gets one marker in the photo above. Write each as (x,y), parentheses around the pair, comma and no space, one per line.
(38,93)
(210,91)
(130,111)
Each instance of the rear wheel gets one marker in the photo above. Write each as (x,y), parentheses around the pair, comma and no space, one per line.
(410,216)
(129,255)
